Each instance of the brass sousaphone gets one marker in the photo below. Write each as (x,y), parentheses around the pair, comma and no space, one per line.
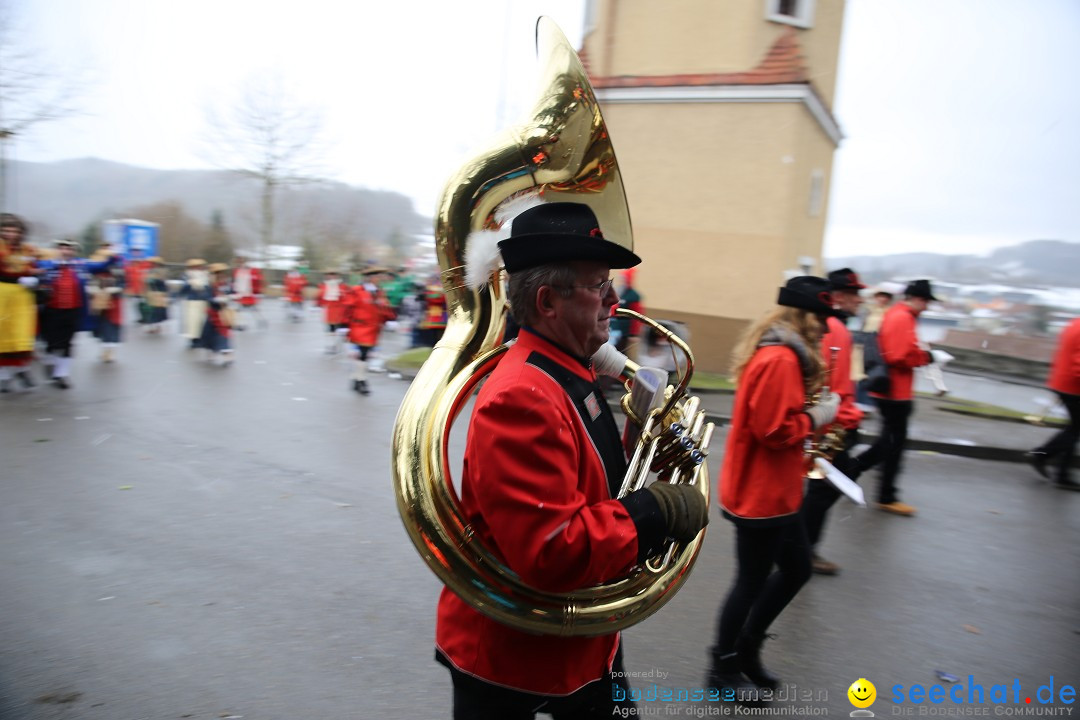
(562,153)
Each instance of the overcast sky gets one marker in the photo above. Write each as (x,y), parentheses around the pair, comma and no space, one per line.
(960,116)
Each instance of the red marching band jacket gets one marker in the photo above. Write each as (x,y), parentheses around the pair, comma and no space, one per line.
(538,495)
(294,287)
(901,351)
(761,480)
(255,284)
(334,307)
(1065,368)
(365,313)
(848,415)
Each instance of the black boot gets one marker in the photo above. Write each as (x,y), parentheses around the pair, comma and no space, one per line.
(24,378)
(363,388)
(725,676)
(748,649)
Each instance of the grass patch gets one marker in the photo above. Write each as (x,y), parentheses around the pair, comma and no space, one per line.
(995,412)
(411,359)
(710,381)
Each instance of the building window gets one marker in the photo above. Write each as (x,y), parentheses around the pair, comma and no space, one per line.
(817,193)
(799,13)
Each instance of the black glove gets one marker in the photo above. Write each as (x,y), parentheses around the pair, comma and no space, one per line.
(685,511)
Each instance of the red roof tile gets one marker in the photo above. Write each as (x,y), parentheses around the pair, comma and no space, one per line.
(784,63)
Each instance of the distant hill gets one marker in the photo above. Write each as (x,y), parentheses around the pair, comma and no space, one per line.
(1033,263)
(62,198)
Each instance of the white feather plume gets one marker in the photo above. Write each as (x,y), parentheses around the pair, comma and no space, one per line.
(482,256)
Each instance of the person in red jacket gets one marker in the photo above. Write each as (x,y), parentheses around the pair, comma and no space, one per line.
(331,297)
(836,348)
(295,282)
(542,468)
(779,371)
(902,352)
(1065,381)
(247,290)
(366,310)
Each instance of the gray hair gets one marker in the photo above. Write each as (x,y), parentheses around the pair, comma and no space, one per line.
(523,285)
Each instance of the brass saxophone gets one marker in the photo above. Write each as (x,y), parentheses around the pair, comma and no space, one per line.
(831,440)
(564,152)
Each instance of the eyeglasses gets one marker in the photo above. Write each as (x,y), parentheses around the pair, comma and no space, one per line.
(601,287)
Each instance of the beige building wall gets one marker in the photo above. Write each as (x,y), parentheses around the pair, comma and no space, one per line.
(726,194)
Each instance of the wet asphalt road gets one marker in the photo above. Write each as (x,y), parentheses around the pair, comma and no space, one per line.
(188,541)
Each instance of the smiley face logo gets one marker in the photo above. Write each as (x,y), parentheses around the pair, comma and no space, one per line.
(862,693)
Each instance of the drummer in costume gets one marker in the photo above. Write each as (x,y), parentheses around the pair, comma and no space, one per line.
(778,370)
(543,462)
(820,494)
(18,304)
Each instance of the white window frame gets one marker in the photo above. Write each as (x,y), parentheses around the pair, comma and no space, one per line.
(803,17)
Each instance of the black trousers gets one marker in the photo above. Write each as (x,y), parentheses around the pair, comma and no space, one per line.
(759,594)
(58,327)
(1063,444)
(888,451)
(821,495)
(475,699)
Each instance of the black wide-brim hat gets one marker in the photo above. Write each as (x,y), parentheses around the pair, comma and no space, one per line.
(920,289)
(808,292)
(845,279)
(560,232)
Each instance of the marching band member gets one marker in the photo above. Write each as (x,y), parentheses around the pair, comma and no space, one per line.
(820,494)
(777,367)
(367,309)
(543,464)
(902,352)
(295,282)
(247,287)
(331,297)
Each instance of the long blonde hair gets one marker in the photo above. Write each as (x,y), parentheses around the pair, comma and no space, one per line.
(803,323)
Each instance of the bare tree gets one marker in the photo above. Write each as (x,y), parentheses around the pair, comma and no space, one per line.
(266,136)
(31,92)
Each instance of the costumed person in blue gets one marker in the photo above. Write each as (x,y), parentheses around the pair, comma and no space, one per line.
(155,305)
(67,309)
(106,312)
(220,318)
(196,293)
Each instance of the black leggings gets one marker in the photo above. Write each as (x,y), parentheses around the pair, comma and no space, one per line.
(1063,444)
(58,327)
(759,595)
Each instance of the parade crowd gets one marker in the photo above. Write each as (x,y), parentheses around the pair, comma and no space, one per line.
(49,294)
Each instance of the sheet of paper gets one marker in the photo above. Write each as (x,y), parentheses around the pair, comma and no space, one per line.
(841,481)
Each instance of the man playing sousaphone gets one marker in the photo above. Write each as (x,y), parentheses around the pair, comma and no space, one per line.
(543,464)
